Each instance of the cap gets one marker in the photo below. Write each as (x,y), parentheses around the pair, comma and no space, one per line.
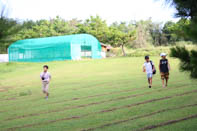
(163,54)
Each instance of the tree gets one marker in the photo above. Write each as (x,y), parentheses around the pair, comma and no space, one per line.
(156,33)
(187,9)
(143,36)
(96,27)
(176,31)
(120,38)
(188,60)
(47,28)
(8,27)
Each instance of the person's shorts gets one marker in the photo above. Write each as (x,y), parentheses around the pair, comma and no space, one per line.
(164,75)
(45,86)
(149,75)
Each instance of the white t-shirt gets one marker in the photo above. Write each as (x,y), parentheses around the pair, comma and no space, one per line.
(148,67)
(46,75)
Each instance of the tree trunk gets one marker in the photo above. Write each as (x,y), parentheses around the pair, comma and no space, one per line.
(123,51)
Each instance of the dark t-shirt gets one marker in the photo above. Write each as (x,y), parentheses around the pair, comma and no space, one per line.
(164,65)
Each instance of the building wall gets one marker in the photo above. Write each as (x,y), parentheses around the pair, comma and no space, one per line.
(3,58)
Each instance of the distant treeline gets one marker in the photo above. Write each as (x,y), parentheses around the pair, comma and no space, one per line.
(133,34)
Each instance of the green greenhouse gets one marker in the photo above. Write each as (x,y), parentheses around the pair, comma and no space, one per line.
(70,47)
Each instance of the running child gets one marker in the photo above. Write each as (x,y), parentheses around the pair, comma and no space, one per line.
(164,68)
(149,68)
(45,78)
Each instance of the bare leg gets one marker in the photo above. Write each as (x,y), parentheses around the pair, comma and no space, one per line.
(46,90)
(166,81)
(163,83)
(151,81)
(148,81)
(47,95)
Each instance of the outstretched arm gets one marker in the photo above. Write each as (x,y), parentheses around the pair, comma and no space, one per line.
(154,68)
(144,69)
(40,77)
(49,77)
(169,66)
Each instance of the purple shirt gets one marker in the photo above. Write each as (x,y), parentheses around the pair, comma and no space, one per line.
(45,75)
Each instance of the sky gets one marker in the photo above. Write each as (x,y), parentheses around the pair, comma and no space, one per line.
(109,10)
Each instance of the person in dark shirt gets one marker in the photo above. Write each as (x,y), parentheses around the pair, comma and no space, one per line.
(164,68)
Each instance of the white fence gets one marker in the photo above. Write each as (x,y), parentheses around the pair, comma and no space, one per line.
(4,58)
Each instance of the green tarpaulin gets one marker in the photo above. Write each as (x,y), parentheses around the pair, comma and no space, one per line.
(70,47)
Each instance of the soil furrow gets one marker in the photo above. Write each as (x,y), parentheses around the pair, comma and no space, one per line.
(16,97)
(92,96)
(89,104)
(138,117)
(100,112)
(167,123)
(83,87)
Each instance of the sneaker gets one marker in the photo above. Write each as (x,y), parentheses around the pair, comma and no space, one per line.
(46,97)
(149,86)
(164,86)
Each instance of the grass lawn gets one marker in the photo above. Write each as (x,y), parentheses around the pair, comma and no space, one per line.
(108,94)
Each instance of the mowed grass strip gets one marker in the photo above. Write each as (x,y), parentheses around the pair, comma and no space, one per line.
(168,123)
(146,115)
(109,110)
(87,97)
(60,109)
(103,72)
(14,106)
(187,125)
(26,104)
(81,83)
(57,90)
(108,87)
(140,118)
(78,122)
(157,120)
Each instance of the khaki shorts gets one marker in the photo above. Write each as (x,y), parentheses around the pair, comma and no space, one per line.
(45,86)
(164,75)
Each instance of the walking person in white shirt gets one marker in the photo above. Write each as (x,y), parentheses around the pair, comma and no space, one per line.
(149,68)
(45,77)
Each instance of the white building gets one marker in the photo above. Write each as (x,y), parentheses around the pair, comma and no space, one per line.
(4,58)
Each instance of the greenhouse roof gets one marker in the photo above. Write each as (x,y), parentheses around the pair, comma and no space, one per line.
(55,40)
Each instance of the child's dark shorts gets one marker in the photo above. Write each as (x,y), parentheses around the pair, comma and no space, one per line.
(164,75)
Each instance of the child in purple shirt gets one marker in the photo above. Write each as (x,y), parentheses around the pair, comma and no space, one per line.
(45,77)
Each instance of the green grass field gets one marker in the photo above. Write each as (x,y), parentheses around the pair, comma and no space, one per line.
(109,94)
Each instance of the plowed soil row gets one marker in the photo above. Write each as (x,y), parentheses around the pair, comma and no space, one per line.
(100,112)
(83,87)
(89,104)
(167,123)
(16,95)
(138,117)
